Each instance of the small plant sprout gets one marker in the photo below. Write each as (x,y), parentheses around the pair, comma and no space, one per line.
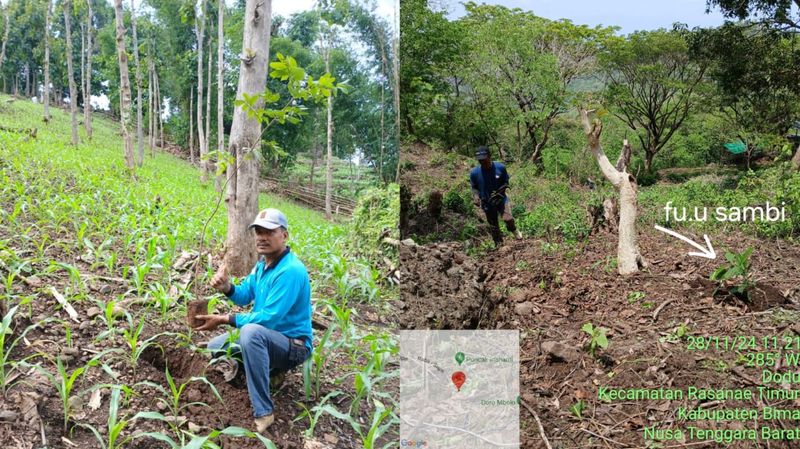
(597,337)
(738,266)
(6,364)
(578,408)
(64,383)
(171,399)
(115,425)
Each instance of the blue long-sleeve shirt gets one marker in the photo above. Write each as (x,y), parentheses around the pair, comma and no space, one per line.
(281,297)
(486,181)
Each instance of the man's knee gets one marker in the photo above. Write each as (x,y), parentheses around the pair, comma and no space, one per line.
(251,334)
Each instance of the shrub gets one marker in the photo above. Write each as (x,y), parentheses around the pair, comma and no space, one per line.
(457,200)
(376,215)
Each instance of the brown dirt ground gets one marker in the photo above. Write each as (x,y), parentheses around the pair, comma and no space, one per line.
(549,294)
(44,422)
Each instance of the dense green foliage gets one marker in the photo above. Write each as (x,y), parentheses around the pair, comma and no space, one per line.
(376,217)
(167,39)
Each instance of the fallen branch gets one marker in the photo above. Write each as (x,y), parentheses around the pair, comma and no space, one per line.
(660,307)
(538,423)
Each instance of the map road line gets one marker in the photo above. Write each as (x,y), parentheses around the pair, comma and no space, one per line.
(462,430)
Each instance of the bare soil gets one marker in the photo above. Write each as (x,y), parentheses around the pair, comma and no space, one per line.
(549,292)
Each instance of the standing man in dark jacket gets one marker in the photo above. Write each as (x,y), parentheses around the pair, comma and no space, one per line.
(489,182)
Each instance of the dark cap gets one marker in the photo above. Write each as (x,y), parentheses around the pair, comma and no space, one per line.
(482,153)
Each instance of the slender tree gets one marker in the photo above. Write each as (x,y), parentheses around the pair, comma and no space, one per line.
(5,37)
(327,43)
(139,136)
(199,30)
(191,126)
(83,64)
(220,84)
(396,63)
(87,101)
(209,165)
(242,195)
(150,106)
(46,93)
(73,89)
(124,87)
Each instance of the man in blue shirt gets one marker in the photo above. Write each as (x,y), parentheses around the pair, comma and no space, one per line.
(276,335)
(489,182)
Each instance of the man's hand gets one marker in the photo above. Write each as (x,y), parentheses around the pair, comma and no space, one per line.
(220,280)
(211,322)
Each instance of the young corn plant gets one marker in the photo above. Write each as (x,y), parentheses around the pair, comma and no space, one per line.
(7,365)
(64,383)
(114,427)
(206,441)
(369,437)
(172,400)
(136,347)
(312,372)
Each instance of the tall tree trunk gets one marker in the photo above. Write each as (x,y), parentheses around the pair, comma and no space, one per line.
(150,104)
(384,79)
(396,64)
(629,259)
(5,37)
(46,91)
(242,198)
(139,136)
(220,86)
(191,126)
(209,164)
(315,156)
(199,30)
(87,102)
(159,111)
(124,86)
(73,89)
(329,163)
(83,64)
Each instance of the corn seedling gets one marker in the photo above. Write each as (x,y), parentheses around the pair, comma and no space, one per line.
(315,413)
(6,364)
(135,347)
(171,399)
(64,382)
(319,356)
(597,337)
(115,426)
(204,441)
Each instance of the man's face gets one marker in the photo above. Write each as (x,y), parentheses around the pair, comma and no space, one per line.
(486,163)
(270,241)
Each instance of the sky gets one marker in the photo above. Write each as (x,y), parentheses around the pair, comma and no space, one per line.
(385,8)
(630,15)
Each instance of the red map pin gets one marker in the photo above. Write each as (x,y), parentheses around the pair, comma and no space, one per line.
(458,379)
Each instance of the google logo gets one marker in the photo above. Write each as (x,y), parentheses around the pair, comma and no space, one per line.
(412,443)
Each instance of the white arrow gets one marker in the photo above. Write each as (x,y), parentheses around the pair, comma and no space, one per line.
(707,252)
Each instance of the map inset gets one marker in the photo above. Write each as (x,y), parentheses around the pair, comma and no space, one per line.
(459,389)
